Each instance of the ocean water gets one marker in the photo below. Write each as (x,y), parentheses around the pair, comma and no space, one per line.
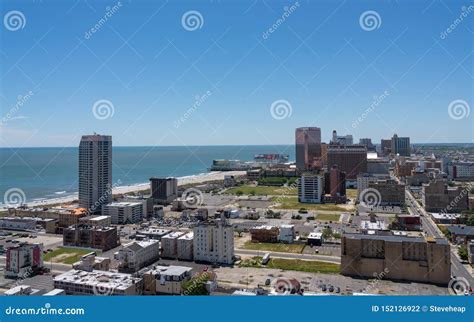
(44,173)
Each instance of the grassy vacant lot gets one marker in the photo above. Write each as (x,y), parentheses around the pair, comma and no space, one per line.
(328,217)
(66,255)
(275,247)
(292,203)
(351,193)
(262,190)
(293,265)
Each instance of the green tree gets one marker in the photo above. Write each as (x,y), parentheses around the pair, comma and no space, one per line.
(462,252)
(470,220)
(327,232)
(239,192)
(197,284)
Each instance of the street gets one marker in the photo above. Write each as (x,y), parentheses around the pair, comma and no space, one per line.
(430,227)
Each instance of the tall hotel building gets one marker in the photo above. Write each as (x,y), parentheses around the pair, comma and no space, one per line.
(95,171)
(401,145)
(308,147)
(351,159)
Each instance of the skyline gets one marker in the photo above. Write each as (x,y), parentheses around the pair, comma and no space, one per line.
(319,67)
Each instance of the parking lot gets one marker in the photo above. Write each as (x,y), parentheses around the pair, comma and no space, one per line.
(255,277)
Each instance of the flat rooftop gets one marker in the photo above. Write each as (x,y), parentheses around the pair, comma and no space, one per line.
(123,204)
(104,279)
(187,236)
(395,238)
(173,235)
(171,270)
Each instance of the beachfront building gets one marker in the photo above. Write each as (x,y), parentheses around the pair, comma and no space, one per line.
(163,190)
(95,172)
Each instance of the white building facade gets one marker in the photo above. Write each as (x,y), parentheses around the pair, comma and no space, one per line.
(136,255)
(123,212)
(214,242)
(311,188)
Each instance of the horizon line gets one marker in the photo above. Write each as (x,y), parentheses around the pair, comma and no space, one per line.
(198,145)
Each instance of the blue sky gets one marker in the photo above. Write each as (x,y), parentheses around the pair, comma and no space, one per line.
(319,59)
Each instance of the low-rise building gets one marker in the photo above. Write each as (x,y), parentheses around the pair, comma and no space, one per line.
(28,224)
(75,282)
(364,179)
(21,290)
(166,280)
(407,222)
(23,260)
(185,247)
(265,234)
(96,220)
(287,234)
(438,197)
(103,238)
(12,223)
(426,260)
(136,255)
(169,244)
(461,234)
(446,218)
(391,193)
(315,239)
(153,232)
(91,261)
(71,217)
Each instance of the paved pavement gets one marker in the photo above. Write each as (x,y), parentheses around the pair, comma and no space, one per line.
(55,267)
(324,258)
(430,227)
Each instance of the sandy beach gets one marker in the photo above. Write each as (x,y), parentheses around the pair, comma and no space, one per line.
(194,179)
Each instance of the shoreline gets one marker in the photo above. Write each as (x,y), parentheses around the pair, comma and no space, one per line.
(185,180)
